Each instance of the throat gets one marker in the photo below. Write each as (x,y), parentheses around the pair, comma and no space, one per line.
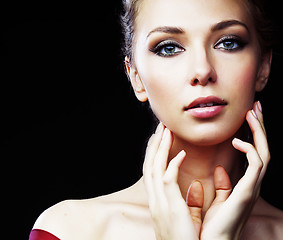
(200,164)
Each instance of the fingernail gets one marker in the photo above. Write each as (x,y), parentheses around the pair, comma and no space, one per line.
(159,127)
(259,106)
(182,153)
(254,114)
(150,140)
(166,133)
(237,141)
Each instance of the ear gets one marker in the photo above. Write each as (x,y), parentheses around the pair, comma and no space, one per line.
(135,80)
(264,71)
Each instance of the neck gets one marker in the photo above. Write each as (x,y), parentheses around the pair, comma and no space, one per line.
(200,163)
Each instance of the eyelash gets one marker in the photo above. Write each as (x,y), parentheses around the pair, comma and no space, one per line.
(167,43)
(232,39)
(157,49)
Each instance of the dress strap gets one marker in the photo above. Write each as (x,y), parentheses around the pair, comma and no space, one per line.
(38,234)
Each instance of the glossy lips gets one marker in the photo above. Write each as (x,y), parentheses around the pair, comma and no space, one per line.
(206,107)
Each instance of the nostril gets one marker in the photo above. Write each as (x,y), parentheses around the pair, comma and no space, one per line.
(211,80)
(195,81)
(202,81)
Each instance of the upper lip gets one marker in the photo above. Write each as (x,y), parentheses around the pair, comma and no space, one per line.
(206,100)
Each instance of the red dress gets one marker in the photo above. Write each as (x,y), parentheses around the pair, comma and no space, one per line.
(38,234)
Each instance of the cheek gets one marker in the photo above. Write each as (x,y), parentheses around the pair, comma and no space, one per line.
(168,88)
(239,81)
(238,87)
(163,84)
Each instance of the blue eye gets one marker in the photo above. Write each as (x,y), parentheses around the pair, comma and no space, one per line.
(167,49)
(230,43)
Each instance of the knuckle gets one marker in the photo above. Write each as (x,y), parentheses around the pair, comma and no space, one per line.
(167,180)
(260,164)
(268,157)
(148,174)
(257,164)
(250,146)
(153,174)
(171,176)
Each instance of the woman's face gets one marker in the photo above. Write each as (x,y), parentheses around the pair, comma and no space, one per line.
(199,65)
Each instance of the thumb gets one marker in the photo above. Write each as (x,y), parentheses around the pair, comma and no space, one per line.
(222,185)
(195,198)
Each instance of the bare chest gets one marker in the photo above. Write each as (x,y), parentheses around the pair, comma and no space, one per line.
(127,228)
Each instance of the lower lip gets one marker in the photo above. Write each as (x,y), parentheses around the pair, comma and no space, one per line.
(206,112)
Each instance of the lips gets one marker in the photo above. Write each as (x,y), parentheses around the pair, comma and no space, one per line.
(206,107)
(206,102)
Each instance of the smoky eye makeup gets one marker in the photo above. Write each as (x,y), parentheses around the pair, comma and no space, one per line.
(167,48)
(230,43)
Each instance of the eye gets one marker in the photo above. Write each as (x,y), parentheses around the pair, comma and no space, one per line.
(167,49)
(230,43)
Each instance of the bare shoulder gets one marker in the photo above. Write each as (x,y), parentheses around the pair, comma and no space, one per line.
(97,218)
(266,222)
(70,217)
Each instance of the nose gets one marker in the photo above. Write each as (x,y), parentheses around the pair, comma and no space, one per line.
(204,72)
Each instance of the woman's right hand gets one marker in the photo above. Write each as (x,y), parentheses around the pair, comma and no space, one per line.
(173,218)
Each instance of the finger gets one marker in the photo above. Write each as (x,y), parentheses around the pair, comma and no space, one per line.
(152,148)
(159,167)
(172,171)
(170,178)
(258,111)
(161,157)
(222,183)
(249,180)
(195,199)
(260,140)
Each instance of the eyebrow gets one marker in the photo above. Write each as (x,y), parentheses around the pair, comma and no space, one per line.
(217,27)
(227,23)
(166,29)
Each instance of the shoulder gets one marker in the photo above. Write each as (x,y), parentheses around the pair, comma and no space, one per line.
(266,222)
(92,218)
(69,215)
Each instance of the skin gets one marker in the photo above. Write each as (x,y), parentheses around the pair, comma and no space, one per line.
(191,164)
(169,83)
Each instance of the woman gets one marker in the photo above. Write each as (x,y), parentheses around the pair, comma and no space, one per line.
(199,64)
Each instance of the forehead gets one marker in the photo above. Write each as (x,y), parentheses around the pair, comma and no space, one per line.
(193,15)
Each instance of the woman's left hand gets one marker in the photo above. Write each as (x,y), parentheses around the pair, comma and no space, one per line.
(229,212)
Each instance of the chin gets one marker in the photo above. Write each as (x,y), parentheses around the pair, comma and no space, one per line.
(207,134)
(208,140)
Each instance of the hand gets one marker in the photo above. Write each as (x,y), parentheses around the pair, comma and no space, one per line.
(170,213)
(229,212)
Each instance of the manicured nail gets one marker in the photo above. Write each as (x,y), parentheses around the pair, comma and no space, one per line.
(182,153)
(159,127)
(165,133)
(237,141)
(259,106)
(254,114)
(150,140)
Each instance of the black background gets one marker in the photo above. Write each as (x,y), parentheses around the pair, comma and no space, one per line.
(71,127)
